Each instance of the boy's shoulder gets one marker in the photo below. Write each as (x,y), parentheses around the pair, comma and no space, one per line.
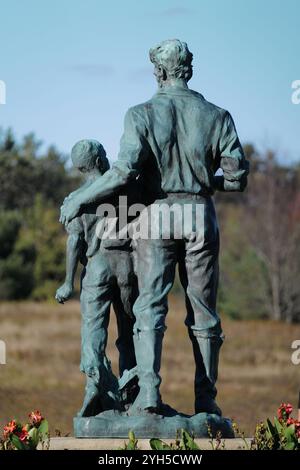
(75,226)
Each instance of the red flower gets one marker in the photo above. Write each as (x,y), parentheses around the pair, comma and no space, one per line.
(284,411)
(35,418)
(10,428)
(290,421)
(22,435)
(297,428)
(288,409)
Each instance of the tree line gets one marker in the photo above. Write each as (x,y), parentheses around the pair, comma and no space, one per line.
(260,231)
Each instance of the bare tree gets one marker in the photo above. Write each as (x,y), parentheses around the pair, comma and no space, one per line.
(272,223)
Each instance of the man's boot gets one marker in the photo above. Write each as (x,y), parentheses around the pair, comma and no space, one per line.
(206,354)
(148,348)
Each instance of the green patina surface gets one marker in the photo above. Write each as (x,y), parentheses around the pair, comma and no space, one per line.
(172,145)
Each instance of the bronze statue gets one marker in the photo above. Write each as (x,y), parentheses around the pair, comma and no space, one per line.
(174,143)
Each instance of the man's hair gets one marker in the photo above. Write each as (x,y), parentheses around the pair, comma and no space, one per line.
(174,57)
(86,152)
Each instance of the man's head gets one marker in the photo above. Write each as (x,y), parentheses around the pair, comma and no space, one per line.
(89,155)
(172,60)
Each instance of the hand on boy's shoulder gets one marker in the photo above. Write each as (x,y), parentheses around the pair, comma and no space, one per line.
(74,226)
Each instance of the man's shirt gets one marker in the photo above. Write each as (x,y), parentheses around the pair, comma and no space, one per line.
(177,140)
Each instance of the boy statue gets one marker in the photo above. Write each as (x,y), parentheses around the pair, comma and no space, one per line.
(107,279)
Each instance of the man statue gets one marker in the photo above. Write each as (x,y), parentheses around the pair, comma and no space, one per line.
(176,142)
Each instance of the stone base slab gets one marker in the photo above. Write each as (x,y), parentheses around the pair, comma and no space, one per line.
(113,424)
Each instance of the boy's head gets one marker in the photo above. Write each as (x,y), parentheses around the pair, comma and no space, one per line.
(88,155)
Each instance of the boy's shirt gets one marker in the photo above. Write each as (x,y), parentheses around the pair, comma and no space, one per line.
(85,225)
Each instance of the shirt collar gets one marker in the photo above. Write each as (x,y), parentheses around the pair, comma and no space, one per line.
(172,90)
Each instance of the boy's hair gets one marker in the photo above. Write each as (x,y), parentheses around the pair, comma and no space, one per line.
(85,154)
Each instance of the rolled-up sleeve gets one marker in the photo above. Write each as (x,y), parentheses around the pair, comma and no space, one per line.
(232,159)
(133,145)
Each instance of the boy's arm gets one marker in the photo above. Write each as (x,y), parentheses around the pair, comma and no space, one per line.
(74,247)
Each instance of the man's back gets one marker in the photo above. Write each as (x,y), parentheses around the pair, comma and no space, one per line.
(187,137)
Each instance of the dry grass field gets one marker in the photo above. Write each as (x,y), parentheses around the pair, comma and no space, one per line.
(42,370)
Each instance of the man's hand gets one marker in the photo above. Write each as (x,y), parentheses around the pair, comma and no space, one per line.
(64,292)
(69,210)
(69,197)
(74,193)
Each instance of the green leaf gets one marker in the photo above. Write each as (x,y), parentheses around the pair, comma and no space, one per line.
(131,436)
(188,441)
(157,444)
(289,433)
(290,446)
(132,444)
(43,429)
(19,445)
(34,435)
(270,427)
(278,426)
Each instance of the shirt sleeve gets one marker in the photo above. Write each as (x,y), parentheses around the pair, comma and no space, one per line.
(232,159)
(134,147)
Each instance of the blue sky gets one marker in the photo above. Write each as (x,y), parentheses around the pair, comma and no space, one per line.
(73,67)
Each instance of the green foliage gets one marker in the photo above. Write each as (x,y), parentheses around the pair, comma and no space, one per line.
(277,436)
(25,172)
(48,237)
(17,436)
(32,252)
(16,279)
(17,444)
(16,262)
(183,442)
(282,434)
(32,241)
(132,444)
(187,441)
(10,223)
(243,277)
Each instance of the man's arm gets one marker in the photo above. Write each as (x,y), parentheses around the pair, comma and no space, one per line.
(232,159)
(77,191)
(74,247)
(133,152)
